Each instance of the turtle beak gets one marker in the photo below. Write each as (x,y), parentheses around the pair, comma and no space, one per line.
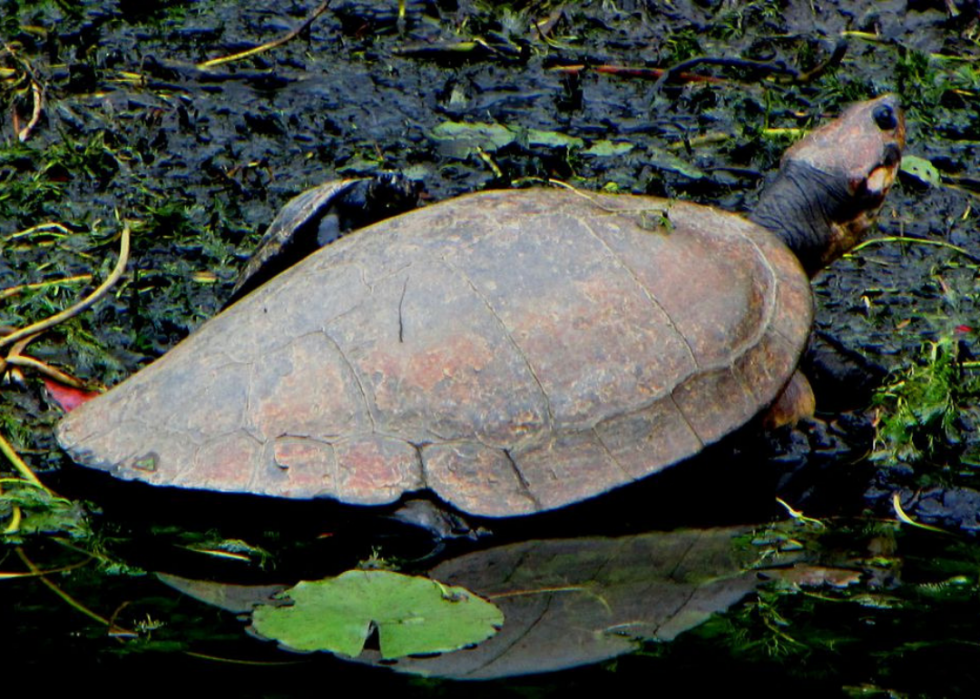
(881,178)
(884,114)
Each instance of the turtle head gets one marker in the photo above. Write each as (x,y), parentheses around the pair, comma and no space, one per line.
(832,183)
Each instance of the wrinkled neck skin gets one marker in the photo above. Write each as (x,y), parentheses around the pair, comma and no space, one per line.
(814,213)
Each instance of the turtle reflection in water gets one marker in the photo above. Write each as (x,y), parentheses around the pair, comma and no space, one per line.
(511,351)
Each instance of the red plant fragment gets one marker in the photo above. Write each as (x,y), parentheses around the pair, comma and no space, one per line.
(66,397)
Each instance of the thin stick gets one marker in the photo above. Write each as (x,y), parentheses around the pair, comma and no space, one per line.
(61,593)
(271,45)
(906,239)
(72,311)
(15,351)
(50,571)
(46,369)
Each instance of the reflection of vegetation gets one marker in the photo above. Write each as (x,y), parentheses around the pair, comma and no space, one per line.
(924,411)
(808,627)
(45,513)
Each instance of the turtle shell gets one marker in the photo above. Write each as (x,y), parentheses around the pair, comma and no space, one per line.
(511,351)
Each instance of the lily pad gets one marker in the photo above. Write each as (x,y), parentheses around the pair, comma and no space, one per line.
(412,615)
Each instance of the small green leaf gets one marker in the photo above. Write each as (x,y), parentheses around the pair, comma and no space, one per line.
(462,139)
(488,137)
(666,160)
(922,170)
(412,615)
(553,139)
(605,148)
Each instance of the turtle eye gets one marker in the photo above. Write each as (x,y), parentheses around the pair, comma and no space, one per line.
(884,117)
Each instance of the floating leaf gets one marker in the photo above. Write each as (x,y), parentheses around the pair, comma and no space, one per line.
(922,170)
(412,615)
(488,137)
(553,139)
(605,148)
(463,138)
(665,160)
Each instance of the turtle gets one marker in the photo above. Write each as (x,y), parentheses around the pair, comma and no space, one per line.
(509,351)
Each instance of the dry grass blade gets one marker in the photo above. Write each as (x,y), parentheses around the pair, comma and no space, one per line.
(40,228)
(22,468)
(271,45)
(14,290)
(38,96)
(13,526)
(915,241)
(82,305)
(19,340)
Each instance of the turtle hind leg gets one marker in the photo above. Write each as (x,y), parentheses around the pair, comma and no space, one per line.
(794,403)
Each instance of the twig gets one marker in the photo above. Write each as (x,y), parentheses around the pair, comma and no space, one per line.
(14,353)
(61,593)
(72,311)
(271,45)
(675,72)
(632,72)
(835,59)
(787,73)
(46,369)
(37,573)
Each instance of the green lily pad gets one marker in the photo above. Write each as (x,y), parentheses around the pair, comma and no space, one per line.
(412,615)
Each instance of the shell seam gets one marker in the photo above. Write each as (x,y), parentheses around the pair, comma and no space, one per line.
(510,338)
